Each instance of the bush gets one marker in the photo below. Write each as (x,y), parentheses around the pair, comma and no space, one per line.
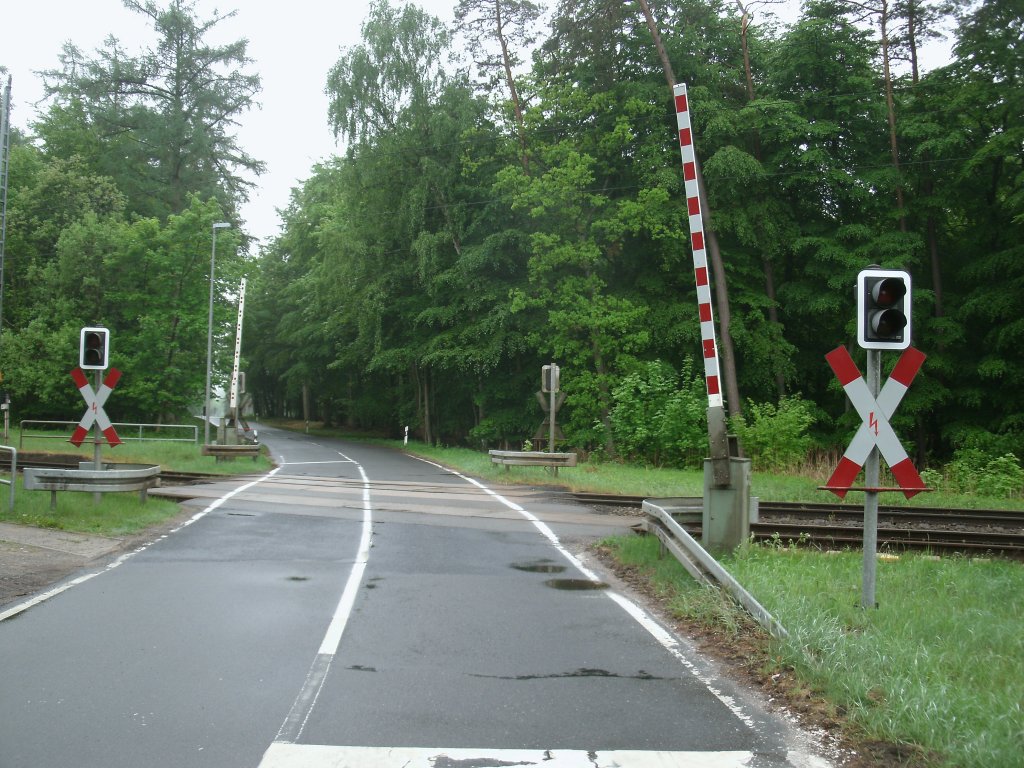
(659,416)
(974,471)
(775,437)
(1002,477)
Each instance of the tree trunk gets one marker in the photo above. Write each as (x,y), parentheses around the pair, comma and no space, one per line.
(933,251)
(517,107)
(606,398)
(350,419)
(773,317)
(912,40)
(428,432)
(890,108)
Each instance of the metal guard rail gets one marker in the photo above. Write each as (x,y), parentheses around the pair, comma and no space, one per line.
(191,427)
(112,478)
(703,567)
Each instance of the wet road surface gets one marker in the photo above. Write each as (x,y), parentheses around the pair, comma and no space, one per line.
(359,607)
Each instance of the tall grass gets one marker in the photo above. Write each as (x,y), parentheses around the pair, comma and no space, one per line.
(938,665)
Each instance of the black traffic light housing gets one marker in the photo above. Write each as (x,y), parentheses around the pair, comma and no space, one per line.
(883,309)
(549,378)
(94,349)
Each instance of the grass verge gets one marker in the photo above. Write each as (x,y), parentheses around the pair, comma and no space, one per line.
(632,480)
(933,673)
(117,514)
(174,456)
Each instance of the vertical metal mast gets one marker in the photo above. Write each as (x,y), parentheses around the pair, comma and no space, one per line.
(5,152)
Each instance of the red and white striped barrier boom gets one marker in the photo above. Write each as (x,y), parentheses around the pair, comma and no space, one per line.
(700,259)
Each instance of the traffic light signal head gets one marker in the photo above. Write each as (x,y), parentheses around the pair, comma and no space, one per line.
(94,349)
(883,309)
(549,378)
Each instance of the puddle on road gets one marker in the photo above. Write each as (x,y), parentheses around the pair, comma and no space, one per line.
(540,566)
(575,585)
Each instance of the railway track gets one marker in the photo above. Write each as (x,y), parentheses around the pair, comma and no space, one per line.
(839,526)
(825,526)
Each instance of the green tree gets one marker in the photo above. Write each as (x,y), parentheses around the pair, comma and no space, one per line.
(395,73)
(160,123)
(509,25)
(983,238)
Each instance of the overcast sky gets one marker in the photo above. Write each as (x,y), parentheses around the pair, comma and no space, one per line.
(293,44)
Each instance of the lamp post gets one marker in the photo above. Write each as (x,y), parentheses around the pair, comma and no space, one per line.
(209,328)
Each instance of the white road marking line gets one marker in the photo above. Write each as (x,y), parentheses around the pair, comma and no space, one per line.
(348,597)
(302,463)
(285,753)
(43,597)
(319,756)
(302,707)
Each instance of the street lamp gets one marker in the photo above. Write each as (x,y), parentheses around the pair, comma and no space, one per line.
(209,328)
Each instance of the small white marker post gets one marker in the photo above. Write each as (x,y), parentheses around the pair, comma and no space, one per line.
(406,436)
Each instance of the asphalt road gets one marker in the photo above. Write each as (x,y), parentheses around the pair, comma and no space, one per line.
(359,607)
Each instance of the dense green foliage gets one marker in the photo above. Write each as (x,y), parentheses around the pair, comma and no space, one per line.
(110,209)
(477,229)
(484,220)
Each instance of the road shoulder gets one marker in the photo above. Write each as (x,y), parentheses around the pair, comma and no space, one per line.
(34,559)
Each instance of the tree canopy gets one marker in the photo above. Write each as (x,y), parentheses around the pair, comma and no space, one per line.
(519,201)
(110,212)
(470,235)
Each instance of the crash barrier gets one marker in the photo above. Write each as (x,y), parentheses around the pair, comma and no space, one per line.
(661,521)
(225,452)
(532,459)
(112,478)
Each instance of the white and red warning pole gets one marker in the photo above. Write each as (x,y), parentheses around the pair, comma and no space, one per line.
(94,412)
(700,259)
(875,429)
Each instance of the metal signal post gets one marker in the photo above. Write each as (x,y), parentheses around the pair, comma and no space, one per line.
(883,322)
